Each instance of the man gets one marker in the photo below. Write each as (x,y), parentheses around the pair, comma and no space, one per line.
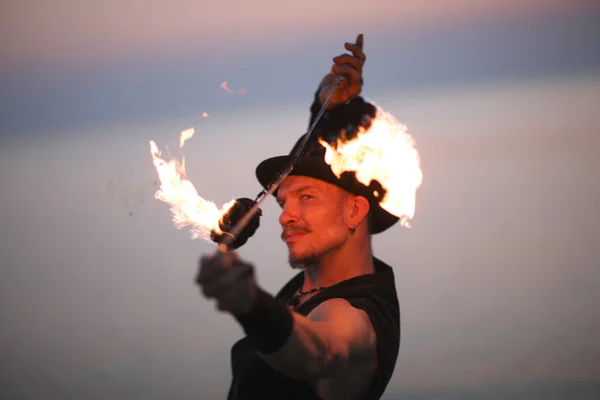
(333,331)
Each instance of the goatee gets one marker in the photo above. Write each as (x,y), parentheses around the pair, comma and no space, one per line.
(302,262)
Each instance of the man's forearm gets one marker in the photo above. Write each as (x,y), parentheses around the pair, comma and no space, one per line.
(292,343)
(311,351)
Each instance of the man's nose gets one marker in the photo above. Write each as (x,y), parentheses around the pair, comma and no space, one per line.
(288,214)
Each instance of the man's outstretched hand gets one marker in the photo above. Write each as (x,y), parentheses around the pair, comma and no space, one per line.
(229,280)
(349,66)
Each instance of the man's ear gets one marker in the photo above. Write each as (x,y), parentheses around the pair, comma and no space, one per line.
(359,209)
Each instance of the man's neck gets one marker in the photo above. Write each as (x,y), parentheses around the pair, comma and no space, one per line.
(353,259)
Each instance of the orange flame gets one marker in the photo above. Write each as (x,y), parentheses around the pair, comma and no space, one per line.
(204,115)
(187,207)
(386,153)
(185,135)
(225,87)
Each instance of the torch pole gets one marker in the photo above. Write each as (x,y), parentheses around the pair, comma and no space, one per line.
(239,227)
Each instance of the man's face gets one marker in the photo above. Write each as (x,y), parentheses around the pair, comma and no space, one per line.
(312,219)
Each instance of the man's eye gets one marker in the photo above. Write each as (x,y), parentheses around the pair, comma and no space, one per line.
(306,197)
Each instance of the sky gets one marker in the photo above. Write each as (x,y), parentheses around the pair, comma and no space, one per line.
(496,278)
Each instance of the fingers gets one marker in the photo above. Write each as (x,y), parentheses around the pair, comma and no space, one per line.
(212,266)
(350,60)
(348,66)
(356,51)
(229,300)
(355,61)
(228,281)
(346,70)
(360,40)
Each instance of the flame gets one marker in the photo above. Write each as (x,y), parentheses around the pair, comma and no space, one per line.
(225,87)
(386,153)
(185,135)
(187,207)
(204,115)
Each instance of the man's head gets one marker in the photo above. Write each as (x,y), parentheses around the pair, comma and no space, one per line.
(311,167)
(319,218)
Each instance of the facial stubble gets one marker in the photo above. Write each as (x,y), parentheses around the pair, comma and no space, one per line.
(310,256)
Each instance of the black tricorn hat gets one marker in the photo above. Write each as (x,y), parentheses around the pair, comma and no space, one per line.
(345,123)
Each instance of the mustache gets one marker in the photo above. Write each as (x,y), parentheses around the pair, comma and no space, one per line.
(288,230)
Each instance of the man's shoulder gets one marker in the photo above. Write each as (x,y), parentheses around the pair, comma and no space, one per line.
(332,308)
(349,322)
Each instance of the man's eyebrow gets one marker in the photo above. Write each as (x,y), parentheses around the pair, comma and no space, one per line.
(302,188)
(305,188)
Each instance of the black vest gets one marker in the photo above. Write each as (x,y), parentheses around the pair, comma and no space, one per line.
(375,293)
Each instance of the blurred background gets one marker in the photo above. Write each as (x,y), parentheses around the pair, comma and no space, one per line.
(497,278)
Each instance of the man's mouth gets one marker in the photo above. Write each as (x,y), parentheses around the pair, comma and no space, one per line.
(291,235)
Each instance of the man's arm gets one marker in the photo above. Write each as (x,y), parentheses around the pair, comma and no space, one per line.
(333,337)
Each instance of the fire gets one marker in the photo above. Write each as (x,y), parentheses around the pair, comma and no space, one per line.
(204,115)
(225,87)
(386,153)
(187,207)
(185,135)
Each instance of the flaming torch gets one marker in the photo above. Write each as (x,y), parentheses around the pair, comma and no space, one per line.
(234,222)
(189,209)
(381,150)
(384,152)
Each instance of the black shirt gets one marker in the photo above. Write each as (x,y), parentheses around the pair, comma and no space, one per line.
(375,294)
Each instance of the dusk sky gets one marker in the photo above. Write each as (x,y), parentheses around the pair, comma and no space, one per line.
(497,278)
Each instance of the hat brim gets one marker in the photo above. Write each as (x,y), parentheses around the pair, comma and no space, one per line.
(316,167)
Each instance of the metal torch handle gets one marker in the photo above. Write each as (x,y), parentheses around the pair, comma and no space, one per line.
(239,227)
